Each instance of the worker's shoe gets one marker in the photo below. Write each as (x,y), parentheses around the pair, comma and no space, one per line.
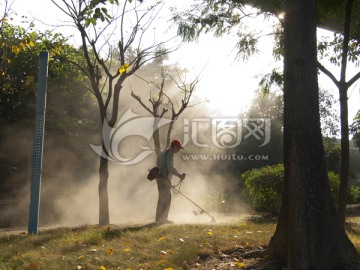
(164,222)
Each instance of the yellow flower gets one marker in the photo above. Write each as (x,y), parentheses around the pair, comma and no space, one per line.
(124,68)
(15,49)
(102,268)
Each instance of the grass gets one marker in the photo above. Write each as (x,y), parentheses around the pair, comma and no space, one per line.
(141,247)
(147,247)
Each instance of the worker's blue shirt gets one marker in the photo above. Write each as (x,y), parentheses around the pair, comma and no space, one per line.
(166,164)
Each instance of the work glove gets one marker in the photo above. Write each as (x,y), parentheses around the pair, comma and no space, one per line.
(182,176)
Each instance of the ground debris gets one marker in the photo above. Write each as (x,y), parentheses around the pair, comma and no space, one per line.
(243,257)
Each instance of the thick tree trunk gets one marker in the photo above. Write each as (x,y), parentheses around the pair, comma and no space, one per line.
(104,218)
(309,234)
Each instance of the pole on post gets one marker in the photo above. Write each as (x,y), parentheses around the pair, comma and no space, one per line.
(38,144)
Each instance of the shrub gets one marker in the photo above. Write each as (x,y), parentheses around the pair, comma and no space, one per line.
(265,187)
(354,194)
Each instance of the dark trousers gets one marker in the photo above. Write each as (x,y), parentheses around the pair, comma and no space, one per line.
(164,201)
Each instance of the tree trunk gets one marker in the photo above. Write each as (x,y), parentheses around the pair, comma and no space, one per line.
(104,216)
(343,88)
(344,173)
(309,234)
(103,192)
(156,137)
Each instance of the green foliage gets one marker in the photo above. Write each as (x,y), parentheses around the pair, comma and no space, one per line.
(275,78)
(354,194)
(332,154)
(20,50)
(93,11)
(331,49)
(219,17)
(334,182)
(265,187)
(355,130)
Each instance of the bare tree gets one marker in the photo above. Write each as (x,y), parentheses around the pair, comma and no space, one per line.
(104,36)
(161,103)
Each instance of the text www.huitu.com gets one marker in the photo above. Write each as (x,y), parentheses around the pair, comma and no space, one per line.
(225,157)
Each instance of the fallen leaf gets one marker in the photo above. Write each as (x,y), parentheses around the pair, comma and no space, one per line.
(161,238)
(109,251)
(240,265)
(33,265)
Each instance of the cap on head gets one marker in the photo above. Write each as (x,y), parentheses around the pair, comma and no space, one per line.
(177,143)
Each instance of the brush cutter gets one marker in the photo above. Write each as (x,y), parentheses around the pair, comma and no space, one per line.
(202,211)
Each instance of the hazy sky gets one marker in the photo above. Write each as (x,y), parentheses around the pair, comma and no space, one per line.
(228,84)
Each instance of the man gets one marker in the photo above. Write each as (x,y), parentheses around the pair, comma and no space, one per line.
(166,170)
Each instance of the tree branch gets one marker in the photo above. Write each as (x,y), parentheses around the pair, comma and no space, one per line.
(353,80)
(328,73)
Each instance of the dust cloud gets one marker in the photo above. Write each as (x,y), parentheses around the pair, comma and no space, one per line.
(69,192)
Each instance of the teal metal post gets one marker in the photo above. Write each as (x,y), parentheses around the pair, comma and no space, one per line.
(38,144)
